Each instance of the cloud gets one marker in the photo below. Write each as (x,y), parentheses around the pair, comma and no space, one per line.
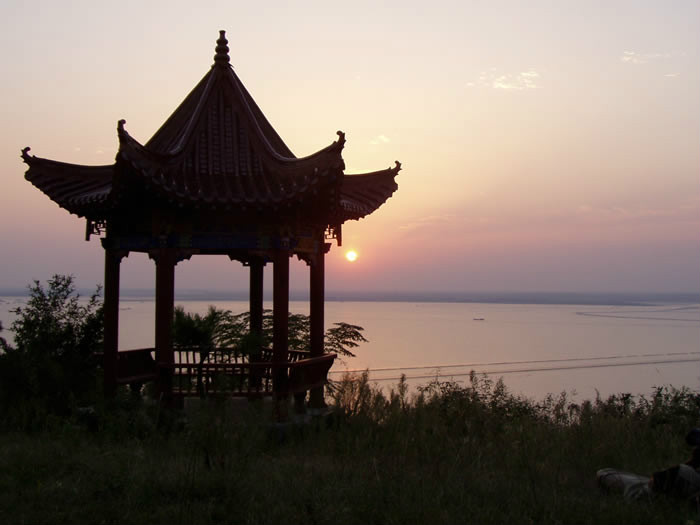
(429,220)
(632,57)
(524,80)
(671,75)
(380,139)
(504,82)
(507,81)
(635,213)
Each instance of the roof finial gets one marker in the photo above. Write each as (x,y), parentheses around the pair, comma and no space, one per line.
(221,58)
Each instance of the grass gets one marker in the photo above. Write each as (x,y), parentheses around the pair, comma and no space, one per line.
(449,455)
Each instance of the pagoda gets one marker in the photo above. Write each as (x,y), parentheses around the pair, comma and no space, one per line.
(215,179)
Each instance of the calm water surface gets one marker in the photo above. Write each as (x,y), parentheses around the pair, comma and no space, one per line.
(537,349)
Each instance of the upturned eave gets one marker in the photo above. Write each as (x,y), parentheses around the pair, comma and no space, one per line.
(362,193)
(82,190)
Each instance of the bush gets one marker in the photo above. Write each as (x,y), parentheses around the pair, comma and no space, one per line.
(52,364)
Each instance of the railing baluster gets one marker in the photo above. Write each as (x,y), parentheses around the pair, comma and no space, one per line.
(225,372)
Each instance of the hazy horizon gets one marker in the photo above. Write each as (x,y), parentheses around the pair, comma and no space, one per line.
(435,296)
(545,146)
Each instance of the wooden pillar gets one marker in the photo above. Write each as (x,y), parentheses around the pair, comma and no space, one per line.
(165,299)
(111,320)
(316,307)
(280,321)
(280,304)
(316,310)
(256,297)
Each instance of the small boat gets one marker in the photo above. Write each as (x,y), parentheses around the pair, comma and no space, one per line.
(478,319)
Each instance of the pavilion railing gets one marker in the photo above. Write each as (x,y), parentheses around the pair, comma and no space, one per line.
(224,371)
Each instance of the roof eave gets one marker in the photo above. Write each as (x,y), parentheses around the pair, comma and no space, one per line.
(363,193)
(81,190)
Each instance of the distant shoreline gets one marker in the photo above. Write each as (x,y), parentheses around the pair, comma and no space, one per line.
(541,298)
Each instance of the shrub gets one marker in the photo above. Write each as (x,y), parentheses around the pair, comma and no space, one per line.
(52,363)
(3,343)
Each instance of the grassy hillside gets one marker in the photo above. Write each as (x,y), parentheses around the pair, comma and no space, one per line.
(449,455)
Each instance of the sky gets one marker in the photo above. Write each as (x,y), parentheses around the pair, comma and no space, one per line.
(546,145)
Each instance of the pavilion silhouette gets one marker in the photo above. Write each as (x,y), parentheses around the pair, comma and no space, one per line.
(216,179)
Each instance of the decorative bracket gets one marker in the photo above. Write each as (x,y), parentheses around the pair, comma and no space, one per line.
(334,231)
(183,255)
(250,257)
(120,254)
(173,254)
(94,228)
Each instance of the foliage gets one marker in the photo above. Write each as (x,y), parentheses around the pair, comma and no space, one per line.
(3,342)
(56,336)
(203,331)
(450,453)
(222,328)
(343,336)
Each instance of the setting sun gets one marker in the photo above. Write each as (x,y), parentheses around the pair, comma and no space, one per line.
(351,255)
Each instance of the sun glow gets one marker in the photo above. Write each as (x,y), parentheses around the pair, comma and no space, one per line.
(351,255)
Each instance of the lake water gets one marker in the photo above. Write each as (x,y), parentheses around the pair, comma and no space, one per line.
(537,349)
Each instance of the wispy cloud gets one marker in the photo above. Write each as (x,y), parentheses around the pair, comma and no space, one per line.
(423,222)
(380,139)
(632,57)
(506,81)
(681,211)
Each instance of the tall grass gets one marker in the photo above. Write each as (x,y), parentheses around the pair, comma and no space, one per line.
(447,454)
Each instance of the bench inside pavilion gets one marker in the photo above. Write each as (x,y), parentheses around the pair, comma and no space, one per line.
(216,179)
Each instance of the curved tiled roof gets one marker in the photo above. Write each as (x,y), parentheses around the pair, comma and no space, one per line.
(361,194)
(78,189)
(221,165)
(217,149)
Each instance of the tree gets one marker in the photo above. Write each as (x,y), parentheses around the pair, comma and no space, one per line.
(343,336)
(203,331)
(222,328)
(56,338)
